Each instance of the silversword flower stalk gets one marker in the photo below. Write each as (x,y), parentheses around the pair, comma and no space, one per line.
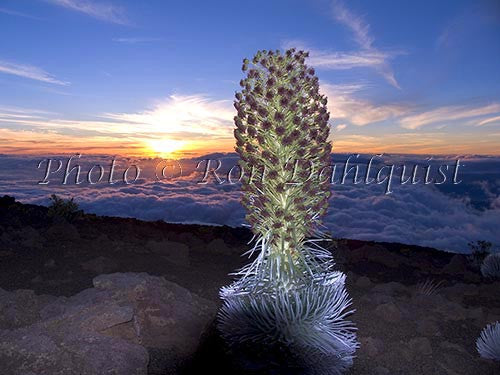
(289,295)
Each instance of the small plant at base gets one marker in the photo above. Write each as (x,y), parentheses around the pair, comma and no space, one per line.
(63,209)
(479,251)
(491,266)
(289,296)
(488,344)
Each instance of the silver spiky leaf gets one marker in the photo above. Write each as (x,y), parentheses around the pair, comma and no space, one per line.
(429,287)
(488,344)
(309,320)
(491,266)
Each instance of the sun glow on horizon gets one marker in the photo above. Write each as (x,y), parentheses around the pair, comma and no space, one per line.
(165,146)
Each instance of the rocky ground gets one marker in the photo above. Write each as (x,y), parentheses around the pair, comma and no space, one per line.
(418,310)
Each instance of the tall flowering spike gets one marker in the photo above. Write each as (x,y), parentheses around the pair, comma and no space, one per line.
(289,296)
(288,118)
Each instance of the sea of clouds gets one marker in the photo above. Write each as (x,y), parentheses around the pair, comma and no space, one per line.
(445,216)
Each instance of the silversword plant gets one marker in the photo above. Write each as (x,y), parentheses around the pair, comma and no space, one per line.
(488,344)
(289,296)
(491,266)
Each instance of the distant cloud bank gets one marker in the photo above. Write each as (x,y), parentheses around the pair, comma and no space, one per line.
(421,215)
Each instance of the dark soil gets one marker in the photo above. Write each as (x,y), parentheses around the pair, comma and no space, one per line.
(51,255)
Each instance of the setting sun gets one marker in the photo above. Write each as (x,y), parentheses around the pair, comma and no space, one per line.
(165,146)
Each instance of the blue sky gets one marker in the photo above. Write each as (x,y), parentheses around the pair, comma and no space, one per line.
(95,76)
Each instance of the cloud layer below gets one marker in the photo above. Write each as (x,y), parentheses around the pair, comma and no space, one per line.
(421,215)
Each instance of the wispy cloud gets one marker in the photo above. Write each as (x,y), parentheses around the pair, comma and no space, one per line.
(22,110)
(96,9)
(357,24)
(17,14)
(339,60)
(447,114)
(135,40)
(368,56)
(466,23)
(490,120)
(203,123)
(40,120)
(29,71)
(360,29)
(346,104)
(417,142)
(195,114)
